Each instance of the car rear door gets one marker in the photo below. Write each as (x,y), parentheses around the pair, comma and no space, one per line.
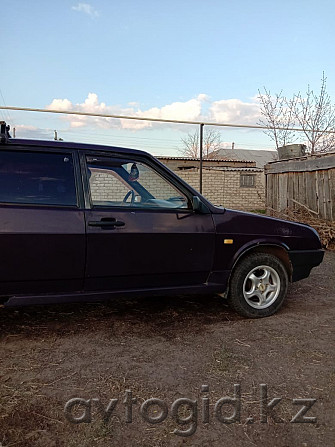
(42,228)
(141,229)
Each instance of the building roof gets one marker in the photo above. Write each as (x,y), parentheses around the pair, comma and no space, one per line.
(240,160)
(260,157)
(226,168)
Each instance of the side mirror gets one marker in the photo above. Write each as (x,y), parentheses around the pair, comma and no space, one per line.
(134,173)
(198,206)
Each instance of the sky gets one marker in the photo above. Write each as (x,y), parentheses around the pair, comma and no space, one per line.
(177,59)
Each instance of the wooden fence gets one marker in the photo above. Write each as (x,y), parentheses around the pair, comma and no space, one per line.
(307,181)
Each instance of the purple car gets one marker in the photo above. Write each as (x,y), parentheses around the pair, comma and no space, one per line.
(82,222)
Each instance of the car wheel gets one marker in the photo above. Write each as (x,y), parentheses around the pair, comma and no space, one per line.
(258,285)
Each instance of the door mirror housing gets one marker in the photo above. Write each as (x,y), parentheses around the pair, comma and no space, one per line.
(199,206)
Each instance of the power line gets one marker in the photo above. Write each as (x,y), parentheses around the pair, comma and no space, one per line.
(9,118)
(146,143)
(87,133)
(161,120)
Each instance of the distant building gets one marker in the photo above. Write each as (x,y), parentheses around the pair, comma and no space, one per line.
(261,158)
(230,183)
(185,163)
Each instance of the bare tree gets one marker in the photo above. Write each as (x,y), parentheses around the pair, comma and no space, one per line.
(277,117)
(211,144)
(315,114)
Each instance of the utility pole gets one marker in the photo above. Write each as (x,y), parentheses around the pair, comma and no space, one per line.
(201,146)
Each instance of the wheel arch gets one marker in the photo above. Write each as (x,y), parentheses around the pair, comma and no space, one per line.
(276,250)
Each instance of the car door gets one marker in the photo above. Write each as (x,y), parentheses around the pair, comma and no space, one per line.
(141,229)
(42,228)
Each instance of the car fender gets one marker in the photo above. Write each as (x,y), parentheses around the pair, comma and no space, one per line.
(250,245)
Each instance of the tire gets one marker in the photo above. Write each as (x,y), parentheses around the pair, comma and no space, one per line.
(258,285)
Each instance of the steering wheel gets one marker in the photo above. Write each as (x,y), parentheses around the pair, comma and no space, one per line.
(129,193)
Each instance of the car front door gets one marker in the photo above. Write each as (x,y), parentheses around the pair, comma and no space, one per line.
(141,229)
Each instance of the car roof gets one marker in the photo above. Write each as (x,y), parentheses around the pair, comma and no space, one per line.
(70,145)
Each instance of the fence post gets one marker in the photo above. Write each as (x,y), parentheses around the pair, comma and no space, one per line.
(201,138)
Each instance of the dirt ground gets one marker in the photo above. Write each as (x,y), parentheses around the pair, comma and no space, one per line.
(166,349)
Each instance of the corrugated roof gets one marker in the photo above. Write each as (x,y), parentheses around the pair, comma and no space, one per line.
(231,168)
(260,157)
(160,157)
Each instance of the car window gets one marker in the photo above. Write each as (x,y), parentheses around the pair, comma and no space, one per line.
(131,183)
(37,178)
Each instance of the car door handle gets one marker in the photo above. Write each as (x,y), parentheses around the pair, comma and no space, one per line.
(106,222)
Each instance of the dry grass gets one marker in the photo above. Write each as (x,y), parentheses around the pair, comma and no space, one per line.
(167,348)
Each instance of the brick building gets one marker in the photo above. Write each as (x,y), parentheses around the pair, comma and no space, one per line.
(235,184)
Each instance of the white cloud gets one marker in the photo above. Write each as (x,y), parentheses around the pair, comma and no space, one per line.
(187,111)
(203,97)
(86,9)
(183,111)
(60,104)
(200,108)
(90,105)
(235,111)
